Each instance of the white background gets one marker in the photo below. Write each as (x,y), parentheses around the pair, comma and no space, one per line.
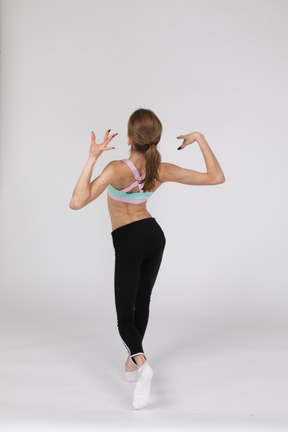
(218,67)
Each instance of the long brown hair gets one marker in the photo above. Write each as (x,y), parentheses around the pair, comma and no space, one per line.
(144,130)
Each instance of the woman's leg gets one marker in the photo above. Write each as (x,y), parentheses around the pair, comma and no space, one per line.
(126,281)
(137,243)
(148,274)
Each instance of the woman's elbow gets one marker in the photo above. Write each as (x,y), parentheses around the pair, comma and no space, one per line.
(74,206)
(218,180)
(221,180)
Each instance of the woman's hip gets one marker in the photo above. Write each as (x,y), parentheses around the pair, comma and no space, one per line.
(143,234)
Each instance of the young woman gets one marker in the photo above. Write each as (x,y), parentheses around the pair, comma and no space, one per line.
(138,239)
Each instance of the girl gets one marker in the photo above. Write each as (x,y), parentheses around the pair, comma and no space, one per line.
(138,239)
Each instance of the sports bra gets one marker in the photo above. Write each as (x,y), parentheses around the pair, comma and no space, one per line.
(133,197)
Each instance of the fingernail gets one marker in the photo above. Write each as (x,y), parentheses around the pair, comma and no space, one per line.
(109,130)
(179,148)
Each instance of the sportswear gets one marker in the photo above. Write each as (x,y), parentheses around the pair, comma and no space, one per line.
(133,197)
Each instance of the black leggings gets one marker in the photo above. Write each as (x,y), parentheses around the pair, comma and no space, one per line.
(139,247)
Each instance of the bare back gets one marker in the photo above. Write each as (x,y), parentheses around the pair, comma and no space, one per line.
(122,213)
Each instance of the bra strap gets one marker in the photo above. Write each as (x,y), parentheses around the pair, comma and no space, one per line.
(134,169)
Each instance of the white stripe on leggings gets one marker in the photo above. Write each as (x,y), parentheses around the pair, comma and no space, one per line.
(125,346)
(129,351)
(137,354)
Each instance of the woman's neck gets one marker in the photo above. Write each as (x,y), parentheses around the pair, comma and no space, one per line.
(138,158)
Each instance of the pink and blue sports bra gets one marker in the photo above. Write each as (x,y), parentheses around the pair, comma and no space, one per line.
(133,197)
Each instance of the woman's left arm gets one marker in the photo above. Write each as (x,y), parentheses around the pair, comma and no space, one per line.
(85,191)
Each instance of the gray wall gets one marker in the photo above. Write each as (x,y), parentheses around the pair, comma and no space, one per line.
(220,68)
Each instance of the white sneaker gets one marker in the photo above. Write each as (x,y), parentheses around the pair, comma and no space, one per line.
(142,390)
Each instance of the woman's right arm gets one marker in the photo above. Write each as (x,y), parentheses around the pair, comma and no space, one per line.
(174,173)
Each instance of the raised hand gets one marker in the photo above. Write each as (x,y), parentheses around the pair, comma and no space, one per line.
(188,139)
(97,149)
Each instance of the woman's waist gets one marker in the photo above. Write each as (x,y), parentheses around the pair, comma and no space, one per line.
(119,219)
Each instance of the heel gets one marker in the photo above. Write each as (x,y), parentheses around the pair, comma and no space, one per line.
(131,376)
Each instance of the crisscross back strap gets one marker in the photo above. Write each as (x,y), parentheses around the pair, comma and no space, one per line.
(136,175)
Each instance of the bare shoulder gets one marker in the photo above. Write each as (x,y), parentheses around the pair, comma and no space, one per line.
(174,173)
(114,165)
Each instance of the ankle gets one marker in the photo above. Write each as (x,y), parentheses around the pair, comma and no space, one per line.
(140,360)
(130,366)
